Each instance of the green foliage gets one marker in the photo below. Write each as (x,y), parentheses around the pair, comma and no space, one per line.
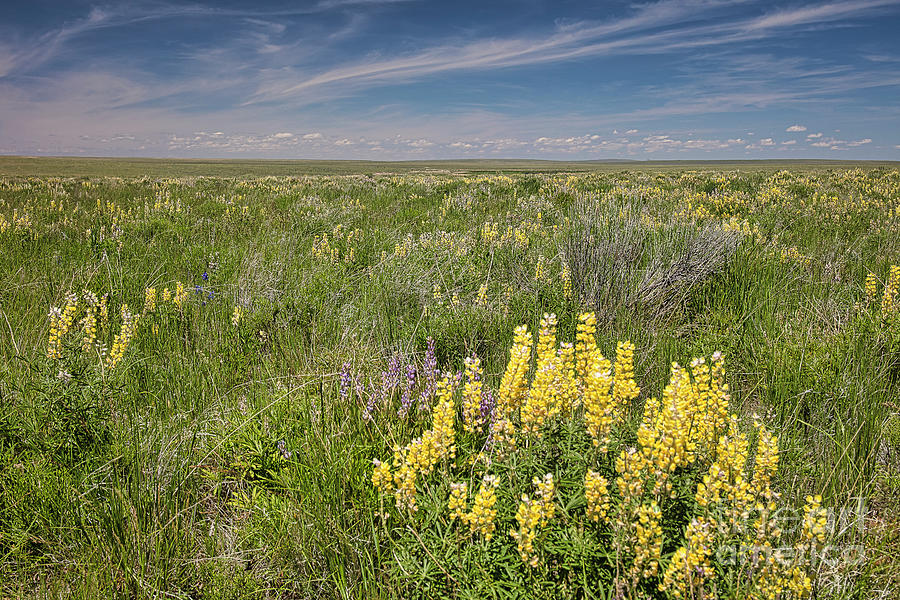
(168,466)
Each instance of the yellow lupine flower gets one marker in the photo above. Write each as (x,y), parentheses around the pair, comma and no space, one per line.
(123,338)
(647,540)
(60,324)
(599,409)
(514,384)
(533,514)
(596,491)
(624,388)
(149,300)
(458,503)
(481,517)
(871,287)
(471,400)
(766,463)
(180,295)
(690,568)
(381,477)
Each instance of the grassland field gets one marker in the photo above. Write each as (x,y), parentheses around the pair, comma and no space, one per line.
(304,379)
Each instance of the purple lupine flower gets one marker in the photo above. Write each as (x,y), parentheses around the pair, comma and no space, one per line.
(406,396)
(430,361)
(385,392)
(430,372)
(488,402)
(457,378)
(372,403)
(205,276)
(346,380)
(393,372)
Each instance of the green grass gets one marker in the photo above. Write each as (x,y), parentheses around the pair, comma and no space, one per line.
(164,477)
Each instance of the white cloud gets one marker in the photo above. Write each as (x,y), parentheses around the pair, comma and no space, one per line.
(795,128)
(813,136)
(283,135)
(630,131)
(789,143)
(654,28)
(312,136)
(860,142)
(767,142)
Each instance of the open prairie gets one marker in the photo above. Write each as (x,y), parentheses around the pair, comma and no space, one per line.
(469,379)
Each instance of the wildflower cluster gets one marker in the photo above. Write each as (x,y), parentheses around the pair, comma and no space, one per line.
(890,295)
(484,512)
(339,247)
(420,456)
(123,338)
(60,324)
(686,440)
(83,322)
(532,515)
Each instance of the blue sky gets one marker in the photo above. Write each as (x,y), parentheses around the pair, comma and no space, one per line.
(420,79)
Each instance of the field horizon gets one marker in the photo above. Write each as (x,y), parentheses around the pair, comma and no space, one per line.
(100,166)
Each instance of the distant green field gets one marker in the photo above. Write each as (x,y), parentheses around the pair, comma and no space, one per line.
(155,167)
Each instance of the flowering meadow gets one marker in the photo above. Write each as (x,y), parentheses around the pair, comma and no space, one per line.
(666,383)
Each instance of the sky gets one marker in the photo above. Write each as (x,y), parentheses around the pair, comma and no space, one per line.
(434,79)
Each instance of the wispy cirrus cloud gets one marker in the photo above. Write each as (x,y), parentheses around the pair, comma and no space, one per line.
(655,28)
(27,54)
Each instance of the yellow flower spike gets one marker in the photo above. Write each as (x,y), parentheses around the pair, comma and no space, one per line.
(690,568)
(60,323)
(382,479)
(180,296)
(546,345)
(599,410)
(88,329)
(472,418)
(237,315)
(889,302)
(123,338)
(596,491)
(514,383)
(541,399)
(533,514)
(149,300)
(482,295)
(646,536)
(871,287)
(54,341)
(481,518)
(765,464)
(624,387)
(458,503)
(566,276)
